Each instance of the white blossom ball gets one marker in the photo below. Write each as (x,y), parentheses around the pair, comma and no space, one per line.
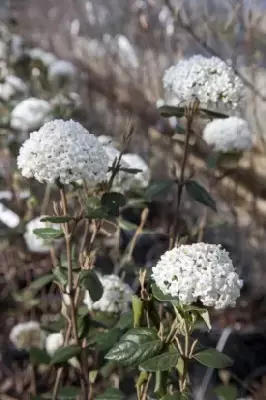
(140,180)
(63,151)
(45,57)
(34,243)
(53,342)
(116,296)
(11,86)
(198,272)
(228,134)
(27,335)
(210,80)
(61,72)
(30,114)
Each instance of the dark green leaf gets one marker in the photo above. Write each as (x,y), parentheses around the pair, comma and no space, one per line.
(212,160)
(39,356)
(174,396)
(96,213)
(48,233)
(60,275)
(63,354)
(137,306)
(213,358)
(171,111)
(133,171)
(113,198)
(90,281)
(57,220)
(226,392)
(229,160)
(158,188)
(122,352)
(202,313)
(65,393)
(39,283)
(106,340)
(125,321)
(126,225)
(83,325)
(162,362)
(204,112)
(111,394)
(159,295)
(200,194)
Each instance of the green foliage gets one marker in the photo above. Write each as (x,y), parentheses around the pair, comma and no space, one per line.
(60,275)
(138,307)
(162,362)
(90,281)
(171,111)
(83,325)
(63,354)
(57,220)
(156,188)
(39,283)
(39,356)
(48,233)
(106,340)
(173,396)
(111,394)
(160,296)
(226,392)
(202,313)
(137,345)
(205,113)
(112,202)
(212,358)
(200,194)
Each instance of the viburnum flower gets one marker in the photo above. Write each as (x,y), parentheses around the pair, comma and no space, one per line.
(46,58)
(27,335)
(116,296)
(34,243)
(30,114)
(53,342)
(228,134)
(210,80)
(198,272)
(61,72)
(63,151)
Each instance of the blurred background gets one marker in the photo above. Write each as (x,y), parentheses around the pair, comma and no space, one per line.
(111,56)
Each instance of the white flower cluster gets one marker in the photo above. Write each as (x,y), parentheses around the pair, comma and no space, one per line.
(27,335)
(64,151)
(30,114)
(199,271)
(61,72)
(116,296)
(229,134)
(210,80)
(11,86)
(53,342)
(34,243)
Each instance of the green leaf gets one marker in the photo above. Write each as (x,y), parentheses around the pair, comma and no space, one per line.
(171,111)
(212,160)
(133,171)
(126,320)
(69,393)
(122,352)
(112,201)
(226,392)
(39,283)
(158,187)
(137,306)
(202,313)
(200,194)
(162,362)
(105,340)
(142,342)
(229,160)
(60,275)
(83,325)
(63,354)
(39,356)
(90,281)
(111,394)
(213,358)
(173,396)
(57,220)
(160,296)
(204,112)
(126,225)
(48,233)
(96,213)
